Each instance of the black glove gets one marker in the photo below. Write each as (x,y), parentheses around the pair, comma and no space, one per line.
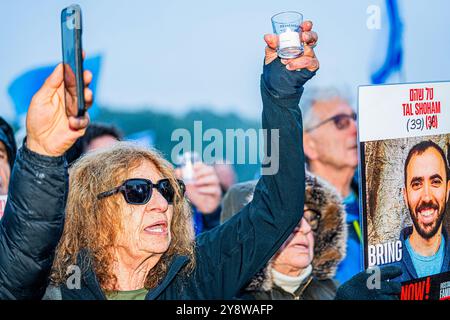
(357,288)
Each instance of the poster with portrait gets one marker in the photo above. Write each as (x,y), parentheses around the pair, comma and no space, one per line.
(404,138)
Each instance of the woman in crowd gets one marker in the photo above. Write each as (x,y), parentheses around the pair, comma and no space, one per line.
(128,231)
(304,266)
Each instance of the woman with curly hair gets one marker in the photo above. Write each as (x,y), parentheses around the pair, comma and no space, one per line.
(128,232)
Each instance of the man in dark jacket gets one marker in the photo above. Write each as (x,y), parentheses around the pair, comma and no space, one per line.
(329,137)
(34,215)
(228,256)
(8,151)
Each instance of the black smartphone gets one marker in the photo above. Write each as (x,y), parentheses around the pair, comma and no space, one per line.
(72,52)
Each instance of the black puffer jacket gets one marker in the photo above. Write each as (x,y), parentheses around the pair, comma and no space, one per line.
(29,232)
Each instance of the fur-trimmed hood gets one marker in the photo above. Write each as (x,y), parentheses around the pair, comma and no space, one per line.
(329,240)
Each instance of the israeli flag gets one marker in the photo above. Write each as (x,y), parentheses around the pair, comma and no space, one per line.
(388,54)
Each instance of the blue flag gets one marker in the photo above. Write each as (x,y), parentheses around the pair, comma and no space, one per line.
(22,89)
(393,58)
(144,138)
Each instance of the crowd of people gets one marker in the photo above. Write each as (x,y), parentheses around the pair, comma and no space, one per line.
(81,198)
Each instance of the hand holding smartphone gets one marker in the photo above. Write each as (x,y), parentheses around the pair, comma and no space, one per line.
(72,52)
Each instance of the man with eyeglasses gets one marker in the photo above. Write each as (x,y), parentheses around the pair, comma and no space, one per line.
(330,144)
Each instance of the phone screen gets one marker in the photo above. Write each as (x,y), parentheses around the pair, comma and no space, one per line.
(71,30)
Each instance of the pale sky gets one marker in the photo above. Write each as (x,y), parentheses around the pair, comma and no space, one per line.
(175,55)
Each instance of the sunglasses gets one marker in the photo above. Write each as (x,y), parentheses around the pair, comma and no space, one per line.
(313,218)
(139,191)
(342,121)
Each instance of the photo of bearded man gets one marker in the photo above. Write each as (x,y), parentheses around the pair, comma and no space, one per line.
(426,248)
